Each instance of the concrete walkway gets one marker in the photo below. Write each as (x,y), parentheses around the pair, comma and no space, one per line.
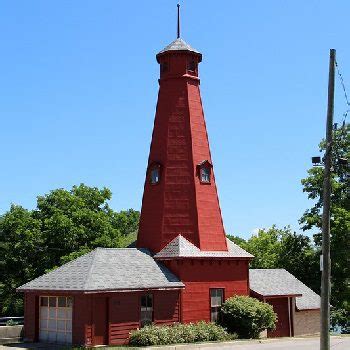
(312,343)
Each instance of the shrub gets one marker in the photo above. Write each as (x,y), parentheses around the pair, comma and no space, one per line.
(178,333)
(247,316)
(11,322)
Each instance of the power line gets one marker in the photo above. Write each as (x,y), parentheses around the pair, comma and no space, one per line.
(342,82)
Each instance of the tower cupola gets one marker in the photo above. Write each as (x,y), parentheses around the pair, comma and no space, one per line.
(178,59)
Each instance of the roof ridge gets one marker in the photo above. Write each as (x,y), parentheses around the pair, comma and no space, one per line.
(271,269)
(116,248)
(90,268)
(300,282)
(67,264)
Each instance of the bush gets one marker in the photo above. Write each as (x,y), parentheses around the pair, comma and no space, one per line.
(178,333)
(11,322)
(247,316)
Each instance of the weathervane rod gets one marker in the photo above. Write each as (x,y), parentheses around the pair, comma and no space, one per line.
(178,20)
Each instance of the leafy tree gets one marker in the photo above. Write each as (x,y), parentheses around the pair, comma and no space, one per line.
(64,225)
(340,218)
(283,248)
(265,246)
(300,257)
(21,238)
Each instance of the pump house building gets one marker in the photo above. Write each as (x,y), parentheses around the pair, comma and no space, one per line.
(182,267)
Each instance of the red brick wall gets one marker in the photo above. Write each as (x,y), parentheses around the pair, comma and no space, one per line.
(200,276)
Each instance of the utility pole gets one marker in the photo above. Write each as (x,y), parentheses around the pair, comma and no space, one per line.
(326,263)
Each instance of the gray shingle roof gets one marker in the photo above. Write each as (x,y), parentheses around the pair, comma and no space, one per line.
(182,248)
(270,282)
(107,269)
(178,45)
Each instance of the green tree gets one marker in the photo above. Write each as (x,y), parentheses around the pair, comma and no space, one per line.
(340,217)
(64,225)
(20,238)
(283,248)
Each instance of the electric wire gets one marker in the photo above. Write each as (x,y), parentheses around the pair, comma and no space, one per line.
(342,82)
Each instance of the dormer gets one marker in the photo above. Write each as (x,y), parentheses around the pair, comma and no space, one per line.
(204,172)
(154,173)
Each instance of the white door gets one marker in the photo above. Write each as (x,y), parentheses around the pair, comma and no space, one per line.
(55,319)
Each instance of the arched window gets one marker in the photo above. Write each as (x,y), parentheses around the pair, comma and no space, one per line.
(154,174)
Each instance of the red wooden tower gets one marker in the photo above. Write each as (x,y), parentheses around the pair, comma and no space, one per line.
(181,219)
(180,195)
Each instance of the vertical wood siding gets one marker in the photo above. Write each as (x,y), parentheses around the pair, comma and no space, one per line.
(124,313)
(199,276)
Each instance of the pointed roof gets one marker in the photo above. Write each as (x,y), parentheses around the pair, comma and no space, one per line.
(180,247)
(107,269)
(179,45)
(273,282)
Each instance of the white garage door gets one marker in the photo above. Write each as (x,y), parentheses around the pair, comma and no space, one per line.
(56,319)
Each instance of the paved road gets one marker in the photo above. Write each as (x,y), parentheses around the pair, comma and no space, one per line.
(337,343)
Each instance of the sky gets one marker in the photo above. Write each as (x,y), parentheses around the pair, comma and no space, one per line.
(79,86)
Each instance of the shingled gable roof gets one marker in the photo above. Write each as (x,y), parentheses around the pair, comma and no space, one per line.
(107,269)
(180,247)
(272,282)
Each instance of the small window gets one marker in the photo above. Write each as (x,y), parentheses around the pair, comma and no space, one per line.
(146,314)
(62,301)
(205,174)
(216,300)
(192,66)
(154,174)
(52,301)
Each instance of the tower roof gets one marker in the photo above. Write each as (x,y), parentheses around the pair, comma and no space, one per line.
(180,247)
(179,45)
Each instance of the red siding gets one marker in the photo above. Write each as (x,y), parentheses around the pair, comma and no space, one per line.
(100,320)
(200,276)
(30,317)
(280,306)
(106,318)
(82,320)
(179,204)
(124,311)
(124,316)
(82,330)
(166,307)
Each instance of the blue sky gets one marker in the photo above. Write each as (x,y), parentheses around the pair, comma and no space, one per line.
(79,88)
